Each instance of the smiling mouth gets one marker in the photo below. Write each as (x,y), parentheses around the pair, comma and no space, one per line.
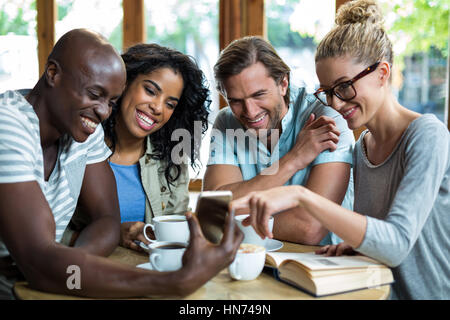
(347,114)
(256,122)
(144,121)
(147,120)
(89,123)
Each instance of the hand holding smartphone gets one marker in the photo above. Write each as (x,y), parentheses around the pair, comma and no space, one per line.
(211,210)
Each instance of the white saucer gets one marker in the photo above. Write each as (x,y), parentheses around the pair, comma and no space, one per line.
(273,245)
(147,266)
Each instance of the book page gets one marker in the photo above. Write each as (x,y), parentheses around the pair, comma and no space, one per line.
(320,262)
(278,257)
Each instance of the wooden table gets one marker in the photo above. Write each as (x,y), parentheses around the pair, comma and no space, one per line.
(222,287)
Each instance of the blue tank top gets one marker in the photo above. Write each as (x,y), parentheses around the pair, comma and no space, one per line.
(130,192)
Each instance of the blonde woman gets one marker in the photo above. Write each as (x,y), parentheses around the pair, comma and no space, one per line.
(401,164)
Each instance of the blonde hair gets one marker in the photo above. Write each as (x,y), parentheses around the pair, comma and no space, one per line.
(359,33)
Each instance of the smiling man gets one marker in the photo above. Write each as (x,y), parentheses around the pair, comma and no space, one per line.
(53,158)
(289,138)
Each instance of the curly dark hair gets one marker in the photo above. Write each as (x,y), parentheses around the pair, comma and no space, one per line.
(193,104)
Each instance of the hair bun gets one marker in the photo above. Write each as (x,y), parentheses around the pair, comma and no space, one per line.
(359,11)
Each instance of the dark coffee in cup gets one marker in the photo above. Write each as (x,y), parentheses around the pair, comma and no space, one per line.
(171,246)
(167,255)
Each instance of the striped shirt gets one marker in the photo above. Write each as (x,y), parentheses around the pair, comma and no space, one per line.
(21,159)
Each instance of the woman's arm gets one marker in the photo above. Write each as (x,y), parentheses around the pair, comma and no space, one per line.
(348,225)
(389,240)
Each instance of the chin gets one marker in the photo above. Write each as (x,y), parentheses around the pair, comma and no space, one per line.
(79,135)
(80,138)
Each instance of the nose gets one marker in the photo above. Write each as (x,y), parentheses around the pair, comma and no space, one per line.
(156,106)
(251,109)
(337,103)
(102,110)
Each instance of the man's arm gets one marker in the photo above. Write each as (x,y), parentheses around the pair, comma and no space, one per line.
(229,177)
(316,136)
(27,228)
(330,180)
(98,200)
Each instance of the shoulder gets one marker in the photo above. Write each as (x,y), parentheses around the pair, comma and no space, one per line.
(300,97)
(17,118)
(225,119)
(14,107)
(305,103)
(427,124)
(426,142)
(427,132)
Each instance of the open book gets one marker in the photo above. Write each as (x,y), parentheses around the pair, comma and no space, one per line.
(321,275)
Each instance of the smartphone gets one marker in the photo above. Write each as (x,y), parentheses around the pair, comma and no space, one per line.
(211,210)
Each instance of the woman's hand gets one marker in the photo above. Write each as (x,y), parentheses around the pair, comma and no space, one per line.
(263,204)
(337,250)
(131,231)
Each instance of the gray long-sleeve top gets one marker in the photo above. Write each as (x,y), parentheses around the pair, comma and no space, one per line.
(407,201)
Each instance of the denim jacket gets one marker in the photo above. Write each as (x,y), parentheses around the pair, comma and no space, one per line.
(162,199)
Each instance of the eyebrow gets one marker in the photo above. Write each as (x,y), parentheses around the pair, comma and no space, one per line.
(103,91)
(341,79)
(159,89)
(252,95)
(258,92)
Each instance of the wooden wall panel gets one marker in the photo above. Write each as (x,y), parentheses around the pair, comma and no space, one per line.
(134,28)
(47,14)
(254,18)
(339,3)
(230,22)
(239,18)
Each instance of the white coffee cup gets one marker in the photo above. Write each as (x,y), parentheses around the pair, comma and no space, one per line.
(166,255)
(248,263)
(169,228)
(250,235)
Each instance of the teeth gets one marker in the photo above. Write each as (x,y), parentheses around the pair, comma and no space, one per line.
(348,112)
(89,123)
(257,120)
(145,119)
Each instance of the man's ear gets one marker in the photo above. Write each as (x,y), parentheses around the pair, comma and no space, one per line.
(284,84)
(52,72)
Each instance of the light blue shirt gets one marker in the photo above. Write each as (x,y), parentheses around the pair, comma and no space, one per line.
(231,144)
(130,192)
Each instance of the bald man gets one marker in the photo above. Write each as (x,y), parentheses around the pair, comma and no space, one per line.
(53,157)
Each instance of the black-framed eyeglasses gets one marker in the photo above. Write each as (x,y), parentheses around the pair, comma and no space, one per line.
(343,90)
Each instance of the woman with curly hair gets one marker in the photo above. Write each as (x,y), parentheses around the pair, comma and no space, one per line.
(165,91)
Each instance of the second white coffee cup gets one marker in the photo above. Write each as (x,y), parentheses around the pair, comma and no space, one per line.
(248,263)
(250,235)
(169,228)
(166,255)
